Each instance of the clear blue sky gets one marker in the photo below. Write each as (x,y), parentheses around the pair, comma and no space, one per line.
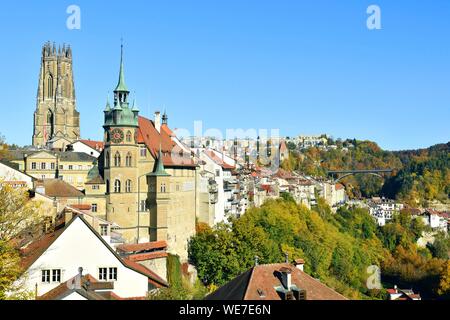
(300,66)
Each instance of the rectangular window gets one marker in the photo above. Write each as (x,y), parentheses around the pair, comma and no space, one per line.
(95,187)
(94,207)
(142,205)
(80,167)
(217,173)
(52,166)
(143,151)
(70,167)
(56,275)
(103,274)
(103,230)
(43,165)
(33,165)
(46,276)
(113,274)
(61,167)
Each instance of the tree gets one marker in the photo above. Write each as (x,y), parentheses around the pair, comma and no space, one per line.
(20,218)
(444,281)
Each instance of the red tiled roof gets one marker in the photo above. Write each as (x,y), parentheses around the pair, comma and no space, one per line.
(30,253)
(86,207)
(147,256)
(153,278)
(142,246)
(259,283)
(97,145)
(153,139)
(339,186)
(218,160)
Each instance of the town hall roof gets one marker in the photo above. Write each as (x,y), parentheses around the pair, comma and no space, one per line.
(171,153)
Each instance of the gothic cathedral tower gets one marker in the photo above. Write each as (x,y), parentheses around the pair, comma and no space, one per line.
(121,160)
(56,115)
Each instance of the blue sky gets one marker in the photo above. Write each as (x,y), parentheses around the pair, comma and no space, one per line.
(304,67)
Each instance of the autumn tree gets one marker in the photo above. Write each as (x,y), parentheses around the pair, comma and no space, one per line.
(20,219)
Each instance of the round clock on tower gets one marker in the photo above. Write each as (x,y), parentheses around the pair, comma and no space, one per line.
(117,135)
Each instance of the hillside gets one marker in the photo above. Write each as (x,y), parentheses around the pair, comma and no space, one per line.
(419,175)
(338,248)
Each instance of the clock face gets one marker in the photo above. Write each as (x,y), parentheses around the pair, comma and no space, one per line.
(117,135)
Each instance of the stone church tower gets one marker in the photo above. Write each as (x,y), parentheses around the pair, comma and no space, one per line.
(56,115)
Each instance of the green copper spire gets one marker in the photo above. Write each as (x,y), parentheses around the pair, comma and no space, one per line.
(135,106)
(108,106)
(159,170)
(121,86)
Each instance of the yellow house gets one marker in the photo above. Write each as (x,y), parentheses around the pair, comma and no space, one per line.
(71,167)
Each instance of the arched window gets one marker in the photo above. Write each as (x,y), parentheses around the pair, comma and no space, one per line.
(129,136)
(128,160)
(163,188)
(107,159)
(50,86)
(128,186)
(117,159)
(117,186)
(107,186)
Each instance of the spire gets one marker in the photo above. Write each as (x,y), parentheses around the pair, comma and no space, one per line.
(108,105)
(135,106)
(121,86)
(159,170)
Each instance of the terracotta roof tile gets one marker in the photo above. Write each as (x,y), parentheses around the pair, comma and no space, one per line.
(97,145)
(142,246)
(60,189)
(259,283)
(218,160)
(153,139)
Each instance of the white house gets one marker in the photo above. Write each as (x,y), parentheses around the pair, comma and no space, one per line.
(11,175)
(90,147)
(57,257)
(436,220)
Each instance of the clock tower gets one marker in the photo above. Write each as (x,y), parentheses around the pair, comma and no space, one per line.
(121,160)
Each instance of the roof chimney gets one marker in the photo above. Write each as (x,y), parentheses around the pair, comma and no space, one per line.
(299,264)
(286,278)
(158,121)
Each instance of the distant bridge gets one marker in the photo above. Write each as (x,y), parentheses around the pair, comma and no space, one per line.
(346,173)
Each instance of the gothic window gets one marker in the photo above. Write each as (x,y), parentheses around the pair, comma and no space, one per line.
(128,160)
(50,86)
(107,159)
(117,186)
(129,136)
(128,186)
(117,159)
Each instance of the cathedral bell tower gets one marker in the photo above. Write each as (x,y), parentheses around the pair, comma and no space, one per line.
(121,154)
(56,115)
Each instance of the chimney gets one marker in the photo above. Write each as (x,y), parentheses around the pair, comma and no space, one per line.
(299,264)
(158,121)
(286,278)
